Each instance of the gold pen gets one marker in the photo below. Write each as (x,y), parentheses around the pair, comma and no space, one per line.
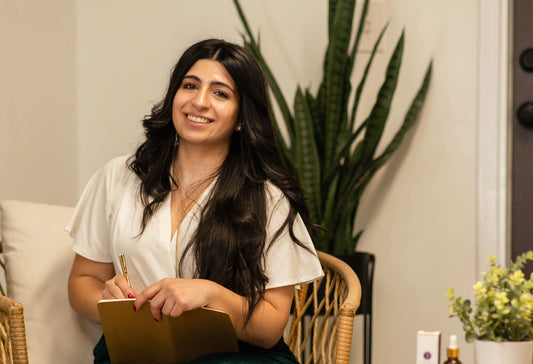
(125,269)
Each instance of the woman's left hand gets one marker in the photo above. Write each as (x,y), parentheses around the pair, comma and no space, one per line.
(173,296)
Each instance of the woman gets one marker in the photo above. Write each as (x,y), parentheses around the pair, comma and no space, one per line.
(205,211)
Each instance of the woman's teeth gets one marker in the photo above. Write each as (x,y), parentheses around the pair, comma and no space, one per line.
(198,119)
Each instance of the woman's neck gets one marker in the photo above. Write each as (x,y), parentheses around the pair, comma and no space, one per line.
(196,165)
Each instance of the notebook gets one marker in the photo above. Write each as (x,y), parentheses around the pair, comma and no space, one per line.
(135,337)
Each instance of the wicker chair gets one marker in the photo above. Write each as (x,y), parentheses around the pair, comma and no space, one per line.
(321,326)
(320,330)
(12,332)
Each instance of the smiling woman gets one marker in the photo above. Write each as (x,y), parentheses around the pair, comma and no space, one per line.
(206,106)
(205,211)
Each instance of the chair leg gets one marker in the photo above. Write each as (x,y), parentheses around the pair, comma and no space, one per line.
(370,339)
(367,339)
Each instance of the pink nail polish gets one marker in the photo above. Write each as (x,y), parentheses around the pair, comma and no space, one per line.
(134,308)
(130,295)
(156,319)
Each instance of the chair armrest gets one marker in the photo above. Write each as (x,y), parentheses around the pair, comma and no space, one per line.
(12,332)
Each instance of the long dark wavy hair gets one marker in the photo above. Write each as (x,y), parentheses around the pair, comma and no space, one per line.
(230,243)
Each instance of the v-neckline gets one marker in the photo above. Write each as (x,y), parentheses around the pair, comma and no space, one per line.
(198,202)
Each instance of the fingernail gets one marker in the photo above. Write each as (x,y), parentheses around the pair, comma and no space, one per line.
(130,295)
(157,320)
(134,308)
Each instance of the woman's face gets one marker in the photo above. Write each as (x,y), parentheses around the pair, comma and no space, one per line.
(206,106)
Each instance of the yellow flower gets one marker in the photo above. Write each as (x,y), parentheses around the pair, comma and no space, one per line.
(503,301)
(450,293)
(516,278)
(497,272)
(526,301)
(480,288)
(500,300)
(502,296)
(494,275)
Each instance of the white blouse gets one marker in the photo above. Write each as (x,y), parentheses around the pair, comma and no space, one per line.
(107,220)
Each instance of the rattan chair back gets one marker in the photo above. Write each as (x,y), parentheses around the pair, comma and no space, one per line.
(321,326)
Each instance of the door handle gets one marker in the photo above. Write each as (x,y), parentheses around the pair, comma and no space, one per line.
(524,114)
(526,60)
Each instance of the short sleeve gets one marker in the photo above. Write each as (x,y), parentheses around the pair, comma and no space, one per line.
(287,263)
(89,226)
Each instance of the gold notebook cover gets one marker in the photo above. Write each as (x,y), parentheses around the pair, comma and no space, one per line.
(135,337)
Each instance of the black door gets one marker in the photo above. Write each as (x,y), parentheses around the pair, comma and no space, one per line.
(522,130)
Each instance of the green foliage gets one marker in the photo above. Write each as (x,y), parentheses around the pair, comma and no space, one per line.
(332,154)
(504,304)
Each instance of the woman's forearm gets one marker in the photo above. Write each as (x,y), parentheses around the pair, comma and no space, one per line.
(268,320)
(84,293)
(86,284)
(173,296)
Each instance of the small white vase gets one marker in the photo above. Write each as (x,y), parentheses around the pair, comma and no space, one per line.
(508,352)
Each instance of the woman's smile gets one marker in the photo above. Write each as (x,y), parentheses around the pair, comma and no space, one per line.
(198,119)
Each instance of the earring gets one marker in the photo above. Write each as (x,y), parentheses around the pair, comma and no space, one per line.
(238,128)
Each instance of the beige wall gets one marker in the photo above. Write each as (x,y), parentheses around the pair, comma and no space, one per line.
(126,50)
(419,214)
(38,101)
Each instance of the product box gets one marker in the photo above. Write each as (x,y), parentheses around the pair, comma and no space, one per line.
(428,347)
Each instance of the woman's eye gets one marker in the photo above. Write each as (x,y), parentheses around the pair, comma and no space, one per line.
(188,86)
(221,94)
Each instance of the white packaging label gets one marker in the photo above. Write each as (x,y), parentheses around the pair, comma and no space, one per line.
(428,347)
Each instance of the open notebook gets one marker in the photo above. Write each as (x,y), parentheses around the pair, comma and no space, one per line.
(135,337)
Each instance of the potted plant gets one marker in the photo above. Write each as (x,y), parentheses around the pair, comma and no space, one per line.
(331,151)
(500,323)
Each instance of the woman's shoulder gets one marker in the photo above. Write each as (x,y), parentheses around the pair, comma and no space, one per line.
(274,193)
(275,198)
(117,168)
(118,164)
(115,173)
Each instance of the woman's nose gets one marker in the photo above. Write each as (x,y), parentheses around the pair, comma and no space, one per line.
(201,99)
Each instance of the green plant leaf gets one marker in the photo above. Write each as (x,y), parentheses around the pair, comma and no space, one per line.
(330,200)
(361,85)
(332,6)
(251,44)
(307,155)
(317,118)
(410,118)
(335,77)
(360,28)
(380,112)
(334,163)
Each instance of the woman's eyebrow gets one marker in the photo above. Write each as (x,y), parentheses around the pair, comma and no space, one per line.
(215,83)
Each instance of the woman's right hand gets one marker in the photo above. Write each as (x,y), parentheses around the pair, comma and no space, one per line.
(118,288)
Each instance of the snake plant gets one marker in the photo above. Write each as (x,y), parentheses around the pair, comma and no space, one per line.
(332,153)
